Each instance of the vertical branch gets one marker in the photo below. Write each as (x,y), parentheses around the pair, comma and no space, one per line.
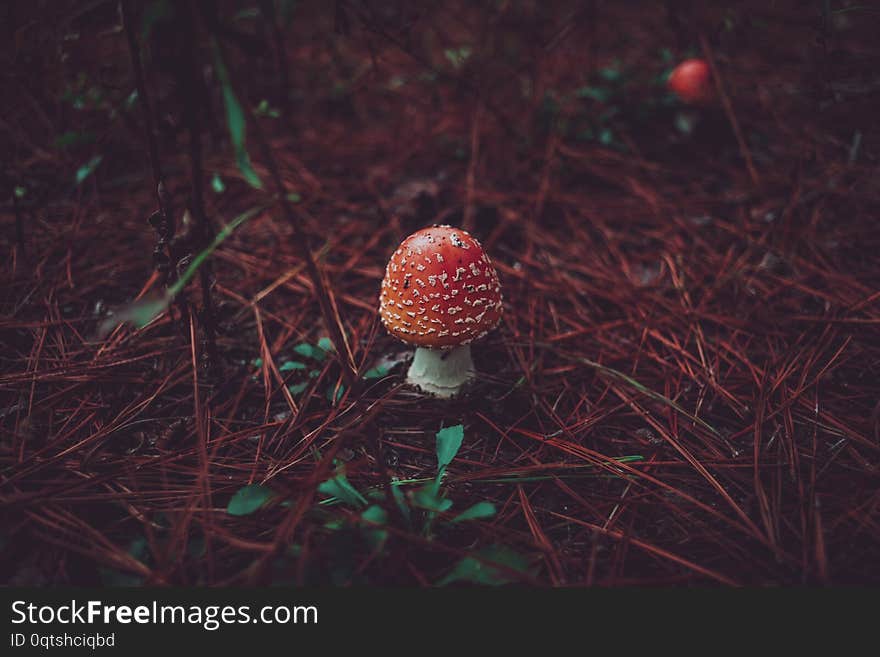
(164,220)
(189,89)
(267,8)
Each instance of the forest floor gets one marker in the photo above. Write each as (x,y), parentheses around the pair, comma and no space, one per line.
(684,388)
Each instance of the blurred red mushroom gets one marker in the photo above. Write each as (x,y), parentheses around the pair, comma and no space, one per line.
(440,293)
(691,81)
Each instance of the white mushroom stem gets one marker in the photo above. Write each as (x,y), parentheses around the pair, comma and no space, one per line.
(441,372)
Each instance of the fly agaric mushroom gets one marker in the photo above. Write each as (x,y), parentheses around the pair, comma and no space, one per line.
(691,81)
(440,293)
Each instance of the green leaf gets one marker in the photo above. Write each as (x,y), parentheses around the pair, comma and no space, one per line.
(258,362)
(448,443)
(88,168)
(131,100)
(606,137)
(610,74)
(482,567)
(307,350)
(685,122)
(235,121)
(263,109)
(289,365)
(297,388)
(217,183)
(325,344)
(334,399)
(139,548)
(19,191)
(396,82)
(599,94)
(72,138)
(476,512)
(428,497)
(458,56)
(400,500)
(293,197)
(375,373)
(341,488)
(375,515)
(248,499)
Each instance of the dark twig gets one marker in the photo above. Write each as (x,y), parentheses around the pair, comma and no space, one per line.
(267,7)
(164,219)
(202,230)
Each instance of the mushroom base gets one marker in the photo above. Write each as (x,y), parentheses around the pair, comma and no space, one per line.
(441,372)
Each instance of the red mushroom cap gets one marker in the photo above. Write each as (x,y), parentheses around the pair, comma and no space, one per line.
(440,289)
(691,81)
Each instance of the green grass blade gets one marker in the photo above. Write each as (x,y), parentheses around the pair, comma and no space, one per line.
(236,121)
(620,376)
(143,311)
